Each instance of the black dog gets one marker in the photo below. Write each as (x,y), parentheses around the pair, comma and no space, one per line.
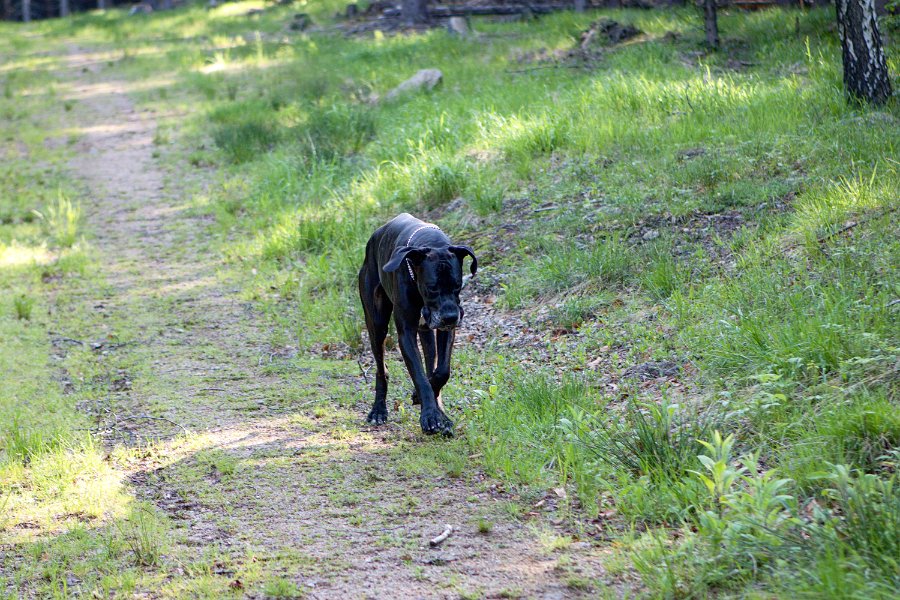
(412,270)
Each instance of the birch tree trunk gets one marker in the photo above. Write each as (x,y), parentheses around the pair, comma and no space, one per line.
(26,10)
(865,69)
(579,5)
(711,23)
(64,8)
(101,4)
(414,11)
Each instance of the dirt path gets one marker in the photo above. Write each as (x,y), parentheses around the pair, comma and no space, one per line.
(277,475)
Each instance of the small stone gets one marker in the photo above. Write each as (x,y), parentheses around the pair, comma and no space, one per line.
(650,234)
(580,546)
(426,79)
(458,26)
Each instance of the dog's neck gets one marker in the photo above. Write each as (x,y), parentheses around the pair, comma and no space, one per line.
(409,243)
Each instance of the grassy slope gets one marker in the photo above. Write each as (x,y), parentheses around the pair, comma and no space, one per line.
(791,341)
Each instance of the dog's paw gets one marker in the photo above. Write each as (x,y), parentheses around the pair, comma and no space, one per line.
(377,417)
(436,422)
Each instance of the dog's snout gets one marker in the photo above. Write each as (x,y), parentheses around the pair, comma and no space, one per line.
(449,319)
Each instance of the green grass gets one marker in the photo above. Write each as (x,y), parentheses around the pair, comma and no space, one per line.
(665,204)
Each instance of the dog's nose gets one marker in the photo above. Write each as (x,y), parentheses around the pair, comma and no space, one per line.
(449,319)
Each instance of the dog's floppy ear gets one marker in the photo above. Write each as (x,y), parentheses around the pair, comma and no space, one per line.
(415,254)
(462,251)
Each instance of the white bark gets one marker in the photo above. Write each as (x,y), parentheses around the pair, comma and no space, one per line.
(865,68)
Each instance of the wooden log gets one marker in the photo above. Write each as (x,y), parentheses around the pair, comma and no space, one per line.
(440,12)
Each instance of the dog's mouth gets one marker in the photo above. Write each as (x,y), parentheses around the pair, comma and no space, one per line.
(435,322)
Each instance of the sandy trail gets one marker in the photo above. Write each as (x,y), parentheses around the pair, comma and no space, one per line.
(310,494)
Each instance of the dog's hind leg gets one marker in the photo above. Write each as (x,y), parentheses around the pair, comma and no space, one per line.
(426,339)
(377,308)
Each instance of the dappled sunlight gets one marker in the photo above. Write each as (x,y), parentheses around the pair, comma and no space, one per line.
(222,64)
(37,65)
(183,286)
(16,255)
(84,91)
(234,9)
(72,487)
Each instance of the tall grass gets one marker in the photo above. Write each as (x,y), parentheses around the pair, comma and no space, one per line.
(62,220)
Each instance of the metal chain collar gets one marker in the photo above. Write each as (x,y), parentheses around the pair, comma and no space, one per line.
(409,242)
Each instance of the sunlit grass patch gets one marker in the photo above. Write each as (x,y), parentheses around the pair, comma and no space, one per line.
(823,210)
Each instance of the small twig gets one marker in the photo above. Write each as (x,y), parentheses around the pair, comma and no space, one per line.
(62,338)
(104,346)
(441,538)
(364,372)
(213,390)
(843,229)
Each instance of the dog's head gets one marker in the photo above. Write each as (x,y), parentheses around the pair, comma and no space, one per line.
(438,277)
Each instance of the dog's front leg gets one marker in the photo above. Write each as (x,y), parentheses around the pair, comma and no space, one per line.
(432,418)
(441,374)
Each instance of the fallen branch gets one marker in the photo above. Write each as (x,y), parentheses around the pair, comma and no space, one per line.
(553,66)
(478,11)
(441,538)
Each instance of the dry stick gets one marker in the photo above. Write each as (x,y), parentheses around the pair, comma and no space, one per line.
(853,224)
(62,338)
(440,539)
(363,371)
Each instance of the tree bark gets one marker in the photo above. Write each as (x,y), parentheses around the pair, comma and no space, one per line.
(415,11)
(7,10)
(865,69)
(101,4)
(579,5)
(64,9)
(711,23)
(26,11)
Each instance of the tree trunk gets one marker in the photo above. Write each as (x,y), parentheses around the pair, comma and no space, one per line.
(711,23)
(865,70)
(414,11)
(579,5)
(7,10)
(26,10)
(64,8)
(101,4)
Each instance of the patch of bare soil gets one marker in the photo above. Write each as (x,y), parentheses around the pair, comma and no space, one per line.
(308,494)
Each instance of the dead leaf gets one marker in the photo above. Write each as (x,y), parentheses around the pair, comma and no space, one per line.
(561,492)
(236,585)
